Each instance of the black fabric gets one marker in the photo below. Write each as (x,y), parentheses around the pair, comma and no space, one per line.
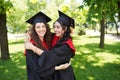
(39,17)
(60,54)
(31,61)
(66,74)
(66,19)
(42,67)
(33,71)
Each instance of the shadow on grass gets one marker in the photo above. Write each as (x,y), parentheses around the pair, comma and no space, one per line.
(86,70)
(97,64)
(113,48)
(17,42)
(14,68)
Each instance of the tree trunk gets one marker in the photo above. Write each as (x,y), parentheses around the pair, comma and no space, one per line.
(116,26)
(3,37)
(106,28)
(118,16)
(102,30)
(119,11)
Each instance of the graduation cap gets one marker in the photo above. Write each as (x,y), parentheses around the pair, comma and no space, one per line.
(39,17)
(66,19)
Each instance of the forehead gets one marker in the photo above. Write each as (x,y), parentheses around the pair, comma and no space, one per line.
(39,24)
(57,23)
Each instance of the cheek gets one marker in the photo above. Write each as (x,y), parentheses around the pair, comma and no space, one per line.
(61,30)
(36,30)
(54,29)
(45,29)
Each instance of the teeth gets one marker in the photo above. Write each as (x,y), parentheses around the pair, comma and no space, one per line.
(41,32)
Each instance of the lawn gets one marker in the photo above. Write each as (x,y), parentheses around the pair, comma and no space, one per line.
(89,63)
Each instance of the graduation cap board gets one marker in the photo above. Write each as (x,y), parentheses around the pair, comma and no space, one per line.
(66,19)
(39,17)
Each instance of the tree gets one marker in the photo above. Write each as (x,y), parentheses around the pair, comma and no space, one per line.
(118,17)
(101,10)
(21,11)
(4,6)
(16,17)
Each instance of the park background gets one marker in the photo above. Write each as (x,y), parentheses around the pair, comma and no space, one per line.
(96,36)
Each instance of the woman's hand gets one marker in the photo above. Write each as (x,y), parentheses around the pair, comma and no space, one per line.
(62,66)
(27,38)
(28,45)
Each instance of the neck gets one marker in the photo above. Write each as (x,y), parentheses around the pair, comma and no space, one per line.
(41,38)
(60,36)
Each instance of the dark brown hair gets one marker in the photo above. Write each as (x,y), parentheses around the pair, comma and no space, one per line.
(66,35)
(36,39)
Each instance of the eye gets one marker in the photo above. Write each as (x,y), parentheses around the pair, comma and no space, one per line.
(58,26)
(44,26)
(37,26)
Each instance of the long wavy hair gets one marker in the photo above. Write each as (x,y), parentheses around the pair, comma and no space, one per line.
(36,39)
(67,32)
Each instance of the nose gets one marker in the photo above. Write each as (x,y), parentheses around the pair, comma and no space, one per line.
(41,28)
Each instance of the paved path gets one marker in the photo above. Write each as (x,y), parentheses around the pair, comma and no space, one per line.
(88,32)
(107,36)
(15,36)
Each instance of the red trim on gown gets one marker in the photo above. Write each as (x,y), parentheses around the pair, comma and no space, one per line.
(43,43)
(54,40)
(68,42)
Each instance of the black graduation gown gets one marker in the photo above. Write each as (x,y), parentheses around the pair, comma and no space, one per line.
(59,54)
(33,71)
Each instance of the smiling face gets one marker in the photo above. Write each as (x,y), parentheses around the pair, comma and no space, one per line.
(58,29)
(40,29)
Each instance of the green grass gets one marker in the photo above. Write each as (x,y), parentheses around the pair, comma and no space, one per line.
(15,67)
(93,63)
(89,63)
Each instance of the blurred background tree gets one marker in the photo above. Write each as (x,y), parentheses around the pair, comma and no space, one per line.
(4,7)
(102,12)
(88,14)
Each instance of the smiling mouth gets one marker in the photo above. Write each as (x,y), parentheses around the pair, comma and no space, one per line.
(41,32)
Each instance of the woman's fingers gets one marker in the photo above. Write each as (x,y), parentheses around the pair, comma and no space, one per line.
(27,38)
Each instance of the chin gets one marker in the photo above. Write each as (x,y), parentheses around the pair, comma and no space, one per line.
(57,35)
(41,35)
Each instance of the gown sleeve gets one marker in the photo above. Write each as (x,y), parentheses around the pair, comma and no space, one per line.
(33,71)
(58,55)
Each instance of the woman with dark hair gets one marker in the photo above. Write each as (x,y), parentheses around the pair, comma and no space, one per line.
(61,52)
(40,36)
